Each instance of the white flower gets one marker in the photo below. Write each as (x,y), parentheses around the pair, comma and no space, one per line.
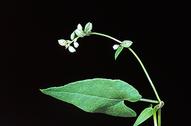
(115,46)
(62,42)
(71,49)
(76,44)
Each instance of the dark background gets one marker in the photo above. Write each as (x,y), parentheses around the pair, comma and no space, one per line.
(32,59)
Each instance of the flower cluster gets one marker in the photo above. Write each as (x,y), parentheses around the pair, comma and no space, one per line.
(67,44)
(78,33)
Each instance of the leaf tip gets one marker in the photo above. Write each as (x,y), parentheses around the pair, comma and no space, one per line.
(115,57)
(41,90)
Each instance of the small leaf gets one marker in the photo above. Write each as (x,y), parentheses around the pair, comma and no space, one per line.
(79,26)
(118,51)
(98,96)
(145,114)
(126,43)
(72,36)
(79,33)
(88,27)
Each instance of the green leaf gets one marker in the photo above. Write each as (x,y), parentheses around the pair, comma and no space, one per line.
(79,33)
(126,43)
(145,114)
(118,51)
(88,27)
(98,96)
(72,36)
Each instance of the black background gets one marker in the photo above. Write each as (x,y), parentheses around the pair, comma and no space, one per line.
(32,59)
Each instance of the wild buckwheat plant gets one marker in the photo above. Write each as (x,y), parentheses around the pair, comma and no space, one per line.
(100,95)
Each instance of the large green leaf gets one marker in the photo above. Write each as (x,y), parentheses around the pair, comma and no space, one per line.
(145,114)
(98,96)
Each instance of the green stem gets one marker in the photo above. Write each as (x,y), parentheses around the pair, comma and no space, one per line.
(159,117)
(155,118)
(107,36)
(136,56)
(149,100)
(146,73)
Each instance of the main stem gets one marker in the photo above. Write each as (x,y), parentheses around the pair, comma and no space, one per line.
(155,118)
(138,59)
(159,117)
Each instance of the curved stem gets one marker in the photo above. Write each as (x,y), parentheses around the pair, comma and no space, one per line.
(136,56)
(146,73)
(107,36)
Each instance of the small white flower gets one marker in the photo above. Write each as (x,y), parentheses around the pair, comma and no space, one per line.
(71,49)
(115,46)
(76,44)
(62,42)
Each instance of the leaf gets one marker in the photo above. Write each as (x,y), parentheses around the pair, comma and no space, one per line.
(88,27)
(126,43)
(145,114)
(98,96)
(79,33)
(118,51)
(72,36)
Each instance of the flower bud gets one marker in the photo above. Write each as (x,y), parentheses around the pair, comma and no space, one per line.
(115,46)
(76,44)
(71,49)
(62,42)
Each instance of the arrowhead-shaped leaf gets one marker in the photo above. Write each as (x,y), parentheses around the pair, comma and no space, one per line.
(98,96)
(145,114)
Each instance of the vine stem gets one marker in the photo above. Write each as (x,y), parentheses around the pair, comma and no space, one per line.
(159,117)
(138,59)
(155,118)
(107,36)
(146,73)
